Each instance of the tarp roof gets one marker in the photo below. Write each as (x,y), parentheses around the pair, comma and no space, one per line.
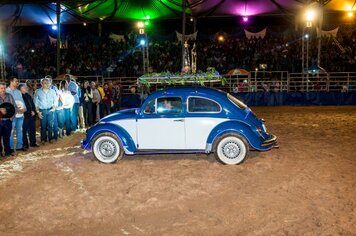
(29,12)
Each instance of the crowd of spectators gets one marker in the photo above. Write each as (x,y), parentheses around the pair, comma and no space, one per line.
(62,108)
(104,56)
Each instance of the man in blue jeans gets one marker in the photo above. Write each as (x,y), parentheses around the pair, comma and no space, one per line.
(17,121)
(46,101)
(58,113)
(75,91)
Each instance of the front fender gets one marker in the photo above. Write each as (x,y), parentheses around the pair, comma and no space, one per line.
(126,140)
(235,126)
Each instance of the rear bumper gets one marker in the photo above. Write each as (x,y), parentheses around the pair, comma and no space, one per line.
(272,140)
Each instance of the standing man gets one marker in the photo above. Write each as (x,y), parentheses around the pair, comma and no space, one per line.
(87,103)
(17,121)
(5,123)
(107,100)
(29,123)
(75,91)
(45,102)
(96,102)
(102,94)
(57,114)
(80,110)
(117,96)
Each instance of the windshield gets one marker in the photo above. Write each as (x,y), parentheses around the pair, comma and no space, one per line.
(236,101)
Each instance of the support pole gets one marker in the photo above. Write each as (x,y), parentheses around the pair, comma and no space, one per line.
(58,12)
(195,19)
(99,29)
(303,53)
(2,56)
(307,62)
(145,55)
(183,29)
(320,30)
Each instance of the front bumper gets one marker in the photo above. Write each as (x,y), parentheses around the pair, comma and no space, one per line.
(85,144)
(272,140)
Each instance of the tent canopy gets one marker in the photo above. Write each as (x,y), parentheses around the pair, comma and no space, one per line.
(29,12)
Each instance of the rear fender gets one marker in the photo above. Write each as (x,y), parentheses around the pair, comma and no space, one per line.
(234,126)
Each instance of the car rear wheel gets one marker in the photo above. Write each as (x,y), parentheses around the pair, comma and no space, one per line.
(107,148)
(231,149)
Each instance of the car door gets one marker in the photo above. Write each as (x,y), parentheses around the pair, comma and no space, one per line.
(161,125)
(203,115)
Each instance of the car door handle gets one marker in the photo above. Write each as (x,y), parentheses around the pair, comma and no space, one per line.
(179,120)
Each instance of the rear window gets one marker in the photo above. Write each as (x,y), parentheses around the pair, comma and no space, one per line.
(203,105)
(236,101)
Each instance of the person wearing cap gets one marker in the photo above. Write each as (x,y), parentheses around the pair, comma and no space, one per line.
(29,123)
(5,123)
(58,112)
(75,90)
(17,121)
(46,101)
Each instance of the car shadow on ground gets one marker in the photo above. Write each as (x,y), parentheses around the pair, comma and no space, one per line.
(171,157)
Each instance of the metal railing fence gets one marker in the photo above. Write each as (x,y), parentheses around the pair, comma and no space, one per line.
(256,81)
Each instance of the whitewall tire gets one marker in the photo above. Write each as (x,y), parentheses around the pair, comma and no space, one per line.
(107,148)
(231,149)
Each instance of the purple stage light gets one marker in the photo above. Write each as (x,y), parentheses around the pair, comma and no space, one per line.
(245,19)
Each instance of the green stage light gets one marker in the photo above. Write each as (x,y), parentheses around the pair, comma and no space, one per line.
(132,10)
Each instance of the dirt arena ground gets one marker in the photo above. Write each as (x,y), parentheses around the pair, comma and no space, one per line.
(306,187)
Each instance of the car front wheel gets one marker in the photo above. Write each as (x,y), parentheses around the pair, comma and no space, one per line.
(231,149)
(107,148)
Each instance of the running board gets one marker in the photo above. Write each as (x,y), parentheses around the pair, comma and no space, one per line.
(146,151)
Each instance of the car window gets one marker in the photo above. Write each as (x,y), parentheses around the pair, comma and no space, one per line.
(150,108)
(169,105)
(198,104)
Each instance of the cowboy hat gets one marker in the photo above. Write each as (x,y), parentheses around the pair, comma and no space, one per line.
(10,110)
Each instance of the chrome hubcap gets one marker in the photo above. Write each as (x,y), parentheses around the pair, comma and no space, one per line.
(107,149)
(231,150)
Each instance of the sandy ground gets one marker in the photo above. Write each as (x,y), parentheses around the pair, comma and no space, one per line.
(306,187)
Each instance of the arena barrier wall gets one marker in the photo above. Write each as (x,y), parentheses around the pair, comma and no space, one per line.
(297,98)
(276,99)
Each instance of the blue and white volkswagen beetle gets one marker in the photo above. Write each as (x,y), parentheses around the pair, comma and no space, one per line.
(181,120)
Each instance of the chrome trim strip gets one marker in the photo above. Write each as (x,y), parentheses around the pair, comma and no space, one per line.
(208,147)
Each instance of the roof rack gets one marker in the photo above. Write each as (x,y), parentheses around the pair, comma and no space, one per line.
(181,79)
